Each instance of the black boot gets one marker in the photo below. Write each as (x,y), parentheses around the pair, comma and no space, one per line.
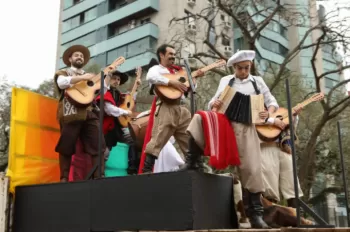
(255,212)
(193,158)
(291,203)
(65,162)
(149,163)
(95,162)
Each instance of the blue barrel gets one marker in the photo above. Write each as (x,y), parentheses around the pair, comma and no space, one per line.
(117,162)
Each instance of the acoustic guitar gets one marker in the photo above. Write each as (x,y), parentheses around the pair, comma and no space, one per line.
(270,133)
(129,103)
(83,92)
(171,93)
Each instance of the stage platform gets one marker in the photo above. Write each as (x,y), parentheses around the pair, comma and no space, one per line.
(174,201)
(270,230)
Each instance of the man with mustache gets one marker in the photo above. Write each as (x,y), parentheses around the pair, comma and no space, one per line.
(170,118)
(75,122)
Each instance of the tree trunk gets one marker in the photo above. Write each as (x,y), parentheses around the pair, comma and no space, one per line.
(308,159)
(253,70)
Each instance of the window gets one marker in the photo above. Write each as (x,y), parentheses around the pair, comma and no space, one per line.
(90,14)
(222,17)
(86,40)
(133,49)
(190,18)
(144,21)
(273,46)
(328,83)
(71,23)
(238,43)
(225,40)
(117,4)
(278,28)
(69,3)
(212,36)
(79,19)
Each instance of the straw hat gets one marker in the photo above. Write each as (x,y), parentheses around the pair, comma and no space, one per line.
(76,48)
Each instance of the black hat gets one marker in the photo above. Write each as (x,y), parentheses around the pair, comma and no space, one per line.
(123,76)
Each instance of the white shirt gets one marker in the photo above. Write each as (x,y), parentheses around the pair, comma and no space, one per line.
(113,110)
(246,87)
(63,82)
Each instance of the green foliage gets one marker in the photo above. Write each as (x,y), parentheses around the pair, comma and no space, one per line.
(93,68)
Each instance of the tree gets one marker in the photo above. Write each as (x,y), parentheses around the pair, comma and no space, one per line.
(4,120)
(203,47)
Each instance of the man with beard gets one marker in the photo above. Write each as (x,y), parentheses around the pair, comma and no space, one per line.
(170,117)
(75,122)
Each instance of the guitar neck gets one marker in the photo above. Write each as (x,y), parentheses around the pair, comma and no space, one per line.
(134,88)
(302,104)
(204,69)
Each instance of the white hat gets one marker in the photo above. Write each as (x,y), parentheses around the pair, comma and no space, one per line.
(240,56)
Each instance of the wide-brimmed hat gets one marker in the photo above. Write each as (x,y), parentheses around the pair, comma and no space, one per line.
(76,48)
(123,76)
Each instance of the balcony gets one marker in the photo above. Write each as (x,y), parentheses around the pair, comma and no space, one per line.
(78,8)
(135,9)
(126,42)
(127,37)
(135,61)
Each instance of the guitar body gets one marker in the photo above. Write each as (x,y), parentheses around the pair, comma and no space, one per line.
(270,133)
(83,92)
(128,104)
(170,92)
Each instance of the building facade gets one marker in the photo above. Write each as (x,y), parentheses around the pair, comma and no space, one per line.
(281,36)
(132,28)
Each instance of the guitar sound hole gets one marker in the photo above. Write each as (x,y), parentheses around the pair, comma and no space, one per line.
(279,117)
(128,105)
(90,83)
(182,79)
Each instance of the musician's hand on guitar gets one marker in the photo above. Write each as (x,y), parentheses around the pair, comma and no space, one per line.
(297,110)
(279,123)
(129,112)
(217,104)
(264,115)
(200,73)
(178,85)
(87,76)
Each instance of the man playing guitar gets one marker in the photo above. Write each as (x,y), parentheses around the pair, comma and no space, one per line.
(75,121)
(170,118)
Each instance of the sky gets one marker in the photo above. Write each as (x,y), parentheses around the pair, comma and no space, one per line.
(28,41)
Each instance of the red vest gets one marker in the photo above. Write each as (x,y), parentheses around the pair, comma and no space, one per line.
(108,121)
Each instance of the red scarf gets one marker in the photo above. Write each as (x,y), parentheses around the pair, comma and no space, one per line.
(220,140)
(150,124)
